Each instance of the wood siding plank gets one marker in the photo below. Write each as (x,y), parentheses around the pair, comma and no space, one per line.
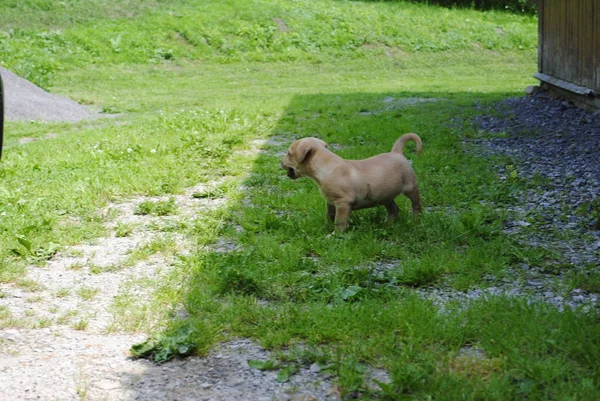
(541,24)
(596,44)
(569,34)
(585,73)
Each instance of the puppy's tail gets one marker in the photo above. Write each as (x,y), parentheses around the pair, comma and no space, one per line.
(399,145)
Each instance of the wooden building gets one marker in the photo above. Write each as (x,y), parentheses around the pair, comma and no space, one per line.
(569,49)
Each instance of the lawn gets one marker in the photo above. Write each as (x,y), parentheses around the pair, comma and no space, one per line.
(196,83)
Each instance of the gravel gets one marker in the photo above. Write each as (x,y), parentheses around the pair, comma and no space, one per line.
(555,148)
(44,355)
(25,101)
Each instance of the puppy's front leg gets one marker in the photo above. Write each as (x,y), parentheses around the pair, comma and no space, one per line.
(331,212)
(392,210)
(342,216)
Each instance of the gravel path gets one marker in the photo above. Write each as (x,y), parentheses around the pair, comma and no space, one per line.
(62,342)
(25,101)
(555,148)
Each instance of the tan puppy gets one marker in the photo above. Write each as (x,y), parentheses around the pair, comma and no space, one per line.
(355,184)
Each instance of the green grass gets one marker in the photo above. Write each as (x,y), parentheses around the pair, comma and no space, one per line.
(83,32)
(196,81)
(157,208)
(87,293)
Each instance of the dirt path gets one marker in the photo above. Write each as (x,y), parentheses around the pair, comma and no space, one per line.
(64,343)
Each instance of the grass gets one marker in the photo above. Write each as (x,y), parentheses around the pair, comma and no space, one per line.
(195,91)
(123,230)
(157,208)
(112,32)
(87,293)
(29,285)
(81,324)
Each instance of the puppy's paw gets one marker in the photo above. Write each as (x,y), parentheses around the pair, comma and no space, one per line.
(335,234)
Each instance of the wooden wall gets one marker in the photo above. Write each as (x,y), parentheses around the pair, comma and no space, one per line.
(569,41)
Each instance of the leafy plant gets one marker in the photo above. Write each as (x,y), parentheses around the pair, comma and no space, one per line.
(269,364)
(123,230)
(592,210)
(166,346)
(208,194)
(284,374)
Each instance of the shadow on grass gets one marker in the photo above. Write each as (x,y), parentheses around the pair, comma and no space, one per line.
(349,300)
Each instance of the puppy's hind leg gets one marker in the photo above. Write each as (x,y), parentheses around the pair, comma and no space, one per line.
(415,200)
(330,212)
(392,210)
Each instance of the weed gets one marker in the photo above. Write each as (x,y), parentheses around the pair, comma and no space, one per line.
(475,366)
(66,317)
(157,208)
(81,386)
(5,317)
(235,280)
(178,342)
(95,269)
(166,245)
(123,230)
(31,253)
(29,285)
(76,266)
(87,293)
(62,292)
(586,278)
(213,193)
(351,375)
(592,211)
(42,323)
(81,325)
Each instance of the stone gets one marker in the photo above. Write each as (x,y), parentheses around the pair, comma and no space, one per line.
(315,368)
(532,90)
(107,385)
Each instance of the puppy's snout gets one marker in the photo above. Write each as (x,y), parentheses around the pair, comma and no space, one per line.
(291,173)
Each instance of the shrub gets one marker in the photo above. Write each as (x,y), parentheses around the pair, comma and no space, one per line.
(524,6)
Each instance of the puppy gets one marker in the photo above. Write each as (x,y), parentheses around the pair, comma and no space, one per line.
(350,185)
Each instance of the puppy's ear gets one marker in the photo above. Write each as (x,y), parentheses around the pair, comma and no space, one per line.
(322,142)
(306,153)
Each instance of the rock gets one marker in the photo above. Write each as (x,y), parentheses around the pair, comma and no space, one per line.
(315,368)
(532,90)
(536,283)
(107,385)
